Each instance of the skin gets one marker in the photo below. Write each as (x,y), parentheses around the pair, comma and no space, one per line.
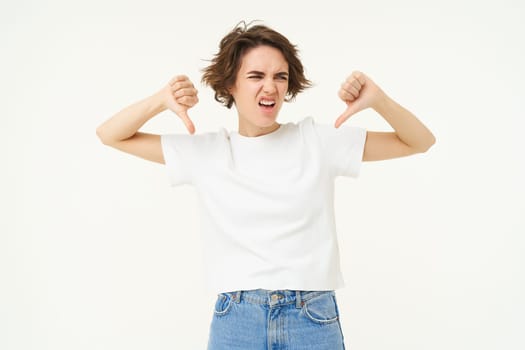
(263,75)
(410,136)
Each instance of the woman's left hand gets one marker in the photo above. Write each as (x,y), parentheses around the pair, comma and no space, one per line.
(358,92)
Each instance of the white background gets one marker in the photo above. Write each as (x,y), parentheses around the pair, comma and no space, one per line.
(98,252)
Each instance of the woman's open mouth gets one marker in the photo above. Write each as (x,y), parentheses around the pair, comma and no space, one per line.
(266,104)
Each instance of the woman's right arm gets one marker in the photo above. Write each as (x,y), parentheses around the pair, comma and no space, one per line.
(121,130)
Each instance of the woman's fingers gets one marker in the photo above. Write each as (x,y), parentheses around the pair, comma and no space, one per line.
(178,78)
(348,94)
(352,86)
(358,76)
(188,101)
(181,85)
(184,92)
(189,91)
(182,96)
(352,92)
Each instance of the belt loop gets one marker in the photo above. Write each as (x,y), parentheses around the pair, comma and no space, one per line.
(237,296)
(298,303)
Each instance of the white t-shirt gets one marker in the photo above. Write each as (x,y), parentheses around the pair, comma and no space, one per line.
(267,202)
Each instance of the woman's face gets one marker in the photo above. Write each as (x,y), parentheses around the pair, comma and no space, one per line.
(259,90)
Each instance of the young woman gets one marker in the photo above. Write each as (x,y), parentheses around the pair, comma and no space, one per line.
(266,190)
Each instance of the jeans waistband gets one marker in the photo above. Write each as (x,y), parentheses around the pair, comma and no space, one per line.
(275,297)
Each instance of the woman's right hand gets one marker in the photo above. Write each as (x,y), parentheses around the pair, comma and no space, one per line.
(179,95)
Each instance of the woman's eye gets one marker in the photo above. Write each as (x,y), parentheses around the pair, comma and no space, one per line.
(254,77)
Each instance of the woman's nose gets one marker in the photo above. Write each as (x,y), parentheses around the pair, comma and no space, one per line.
(269,86)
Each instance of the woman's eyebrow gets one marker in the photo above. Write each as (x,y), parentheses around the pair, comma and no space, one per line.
(261,73)
(255,72)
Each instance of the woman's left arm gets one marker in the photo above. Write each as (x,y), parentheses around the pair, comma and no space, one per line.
(410,136)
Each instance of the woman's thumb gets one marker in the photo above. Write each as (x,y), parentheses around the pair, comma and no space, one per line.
(186,119)
(350,110)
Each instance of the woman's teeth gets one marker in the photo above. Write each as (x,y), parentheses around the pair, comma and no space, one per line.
(267,103)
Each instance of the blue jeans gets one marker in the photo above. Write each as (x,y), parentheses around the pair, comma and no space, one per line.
(263,319)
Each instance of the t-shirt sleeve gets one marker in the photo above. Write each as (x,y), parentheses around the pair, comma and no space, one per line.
(342,147)
(178,151)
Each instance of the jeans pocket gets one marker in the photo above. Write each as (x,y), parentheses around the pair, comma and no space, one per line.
(321,309)
(223,304)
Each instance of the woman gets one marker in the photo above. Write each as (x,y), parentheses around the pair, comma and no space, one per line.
(266,190)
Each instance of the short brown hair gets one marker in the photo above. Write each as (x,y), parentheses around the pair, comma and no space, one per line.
(220,75)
